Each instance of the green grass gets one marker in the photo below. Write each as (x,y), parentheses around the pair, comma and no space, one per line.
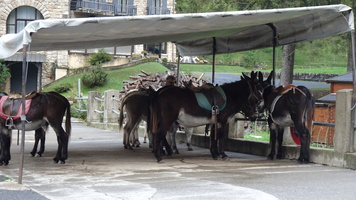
(114,81)
(258,136)
(190,68)
(116,77)
(199,68)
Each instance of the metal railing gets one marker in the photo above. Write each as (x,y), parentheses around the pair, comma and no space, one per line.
(127,10)
(116,9)
(95,6)
(151,10)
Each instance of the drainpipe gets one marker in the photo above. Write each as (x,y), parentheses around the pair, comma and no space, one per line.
(353,100)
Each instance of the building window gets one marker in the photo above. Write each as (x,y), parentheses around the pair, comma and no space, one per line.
(20,17)
(122,6)
(159,48)
(155,7)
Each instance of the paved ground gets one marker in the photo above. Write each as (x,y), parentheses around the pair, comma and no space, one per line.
(100,168)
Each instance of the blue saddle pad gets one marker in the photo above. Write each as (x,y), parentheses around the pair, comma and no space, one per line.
(207,103)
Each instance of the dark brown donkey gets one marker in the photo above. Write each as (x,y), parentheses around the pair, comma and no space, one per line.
(41,108)
(189,108)
(288,106)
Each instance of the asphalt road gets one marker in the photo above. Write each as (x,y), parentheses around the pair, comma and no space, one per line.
(100,168)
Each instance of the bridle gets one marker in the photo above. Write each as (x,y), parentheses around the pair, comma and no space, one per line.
(254,98)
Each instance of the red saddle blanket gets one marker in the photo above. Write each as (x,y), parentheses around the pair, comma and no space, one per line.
(7,113)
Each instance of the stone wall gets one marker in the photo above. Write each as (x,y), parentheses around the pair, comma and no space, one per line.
(305,76)
(50,9)
(53,9)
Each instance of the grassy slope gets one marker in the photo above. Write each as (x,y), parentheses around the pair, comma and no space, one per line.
(189,68)
(115,79)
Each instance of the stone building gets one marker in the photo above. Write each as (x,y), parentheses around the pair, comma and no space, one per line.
(45,67)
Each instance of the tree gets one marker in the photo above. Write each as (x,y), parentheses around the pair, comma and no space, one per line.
(4,74)
(287,64)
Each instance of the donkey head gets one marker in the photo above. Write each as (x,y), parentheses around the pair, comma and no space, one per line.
(255,94)
(267,88)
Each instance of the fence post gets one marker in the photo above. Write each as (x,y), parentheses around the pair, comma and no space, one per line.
(236,127)
(342,121)
(111,106)
(93,105)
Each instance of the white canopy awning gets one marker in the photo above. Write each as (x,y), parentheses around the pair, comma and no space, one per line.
(193,33)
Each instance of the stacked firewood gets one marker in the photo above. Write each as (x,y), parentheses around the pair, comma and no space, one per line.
(156,81)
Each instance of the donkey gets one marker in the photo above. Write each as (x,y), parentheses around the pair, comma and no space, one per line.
(180,104)
(41,108)
(288,106)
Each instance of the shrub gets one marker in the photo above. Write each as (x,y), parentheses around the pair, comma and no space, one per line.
(77,113)
(97,77)
(100,57)
(65,87)
(4,72)
(164,59)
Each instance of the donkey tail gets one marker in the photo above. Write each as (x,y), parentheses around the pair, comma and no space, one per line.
(121,115)
(310,113)
(154,117)
(309,109)
(68,123)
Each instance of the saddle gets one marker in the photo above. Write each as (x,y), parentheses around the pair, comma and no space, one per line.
(11,106)
(209,96)
(278,93)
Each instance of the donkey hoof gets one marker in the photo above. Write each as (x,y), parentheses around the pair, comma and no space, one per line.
(270,157)
(55,160)
(61,162)
(223,155)
(303,161)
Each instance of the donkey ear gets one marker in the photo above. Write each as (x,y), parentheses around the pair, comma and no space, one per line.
(269,79)
(260,77)
(253,75)
(245,76)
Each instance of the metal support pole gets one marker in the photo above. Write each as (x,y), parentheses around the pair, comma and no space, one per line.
(274,51)
(353,100)
(213,70)
(23,117)
(178,69)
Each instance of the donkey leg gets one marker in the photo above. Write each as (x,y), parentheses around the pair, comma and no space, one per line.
(189,133)
(127,133)
(304,134)
(5,141)
(38,136)
(62,150)
(280,153)
(136,140)
(305,144)
(167,146)
(272,140)
(43,142)
(157,146)
(222,134)
(171,137)
(213,144)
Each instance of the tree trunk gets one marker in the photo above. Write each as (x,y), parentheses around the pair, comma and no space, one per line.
(349,59)
(287,65)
